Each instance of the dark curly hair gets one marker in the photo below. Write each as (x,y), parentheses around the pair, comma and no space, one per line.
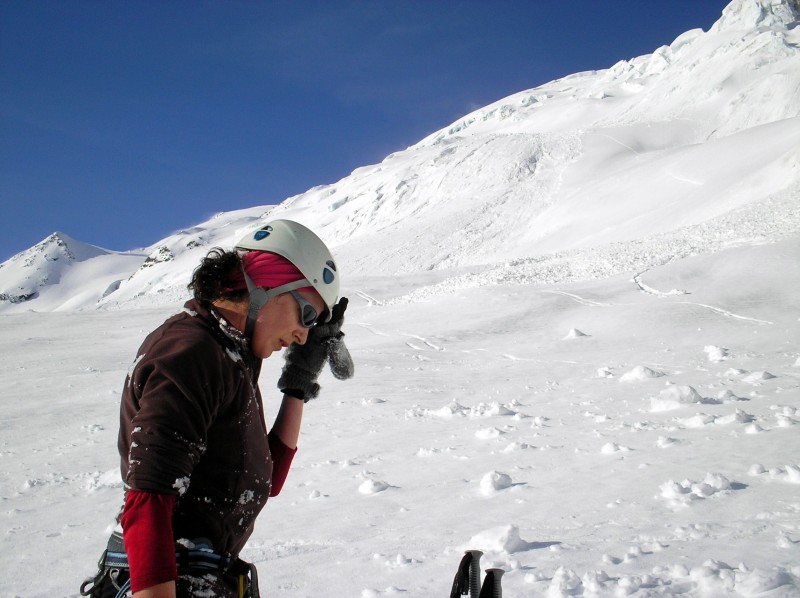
(215,275)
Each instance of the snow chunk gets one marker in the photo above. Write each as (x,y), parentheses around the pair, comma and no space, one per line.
(423,452)
(735,372)
(728,396)
(492,409)
(716,354)
(456,409)
(133,367)
(701,420)
(674,397)
(737,417)
(784,415)
(488,433)
(612,448)
(793,474)
(500,539)
(372,486)
(574,333)
(565,582)
(372,401)
(638,373)
(759,582)
(789,474)
(681,495)
(181,485)
(666,441)
(451,409)
(107,479)
(753,428)
(604,372)
(538,421)
(494,481)
(758,377)
(516,446)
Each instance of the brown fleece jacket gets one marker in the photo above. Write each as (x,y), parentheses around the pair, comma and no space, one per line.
(192,424)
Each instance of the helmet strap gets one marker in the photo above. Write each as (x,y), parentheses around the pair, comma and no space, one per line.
(259,296)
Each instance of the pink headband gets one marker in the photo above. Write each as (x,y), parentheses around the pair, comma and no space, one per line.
(267,270)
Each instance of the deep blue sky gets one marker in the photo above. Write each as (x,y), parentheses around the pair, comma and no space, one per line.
(121,121)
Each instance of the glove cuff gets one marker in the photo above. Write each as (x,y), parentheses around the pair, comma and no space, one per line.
(294,381)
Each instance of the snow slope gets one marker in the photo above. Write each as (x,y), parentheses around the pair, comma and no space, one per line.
(575,318)
(655,455)
(704,133)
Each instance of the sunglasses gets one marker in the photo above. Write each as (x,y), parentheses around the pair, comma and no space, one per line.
(308,314)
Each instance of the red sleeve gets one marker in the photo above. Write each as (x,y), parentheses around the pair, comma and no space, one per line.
(282,457)
(147,535)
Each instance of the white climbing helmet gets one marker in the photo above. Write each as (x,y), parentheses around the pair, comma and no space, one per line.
(304,249)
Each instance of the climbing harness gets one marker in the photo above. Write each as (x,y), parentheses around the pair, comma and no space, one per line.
(200,559)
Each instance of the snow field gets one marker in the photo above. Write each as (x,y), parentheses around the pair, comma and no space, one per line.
(511,440)
(475,421)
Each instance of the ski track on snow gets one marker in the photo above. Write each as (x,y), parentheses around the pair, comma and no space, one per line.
(726,313)
(423,340)
(579,299)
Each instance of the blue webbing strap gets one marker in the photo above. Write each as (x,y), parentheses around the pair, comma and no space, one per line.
(185,559)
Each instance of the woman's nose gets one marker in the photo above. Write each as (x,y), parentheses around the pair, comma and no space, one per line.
(301,334)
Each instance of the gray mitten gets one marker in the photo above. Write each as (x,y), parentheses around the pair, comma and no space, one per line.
(304,362)
(339,358)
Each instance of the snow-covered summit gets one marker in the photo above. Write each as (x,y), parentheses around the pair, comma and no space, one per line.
(686,150)
(748,14)
(58,246)
(43,264)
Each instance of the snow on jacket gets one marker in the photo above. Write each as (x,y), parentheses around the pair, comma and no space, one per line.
(192,424)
